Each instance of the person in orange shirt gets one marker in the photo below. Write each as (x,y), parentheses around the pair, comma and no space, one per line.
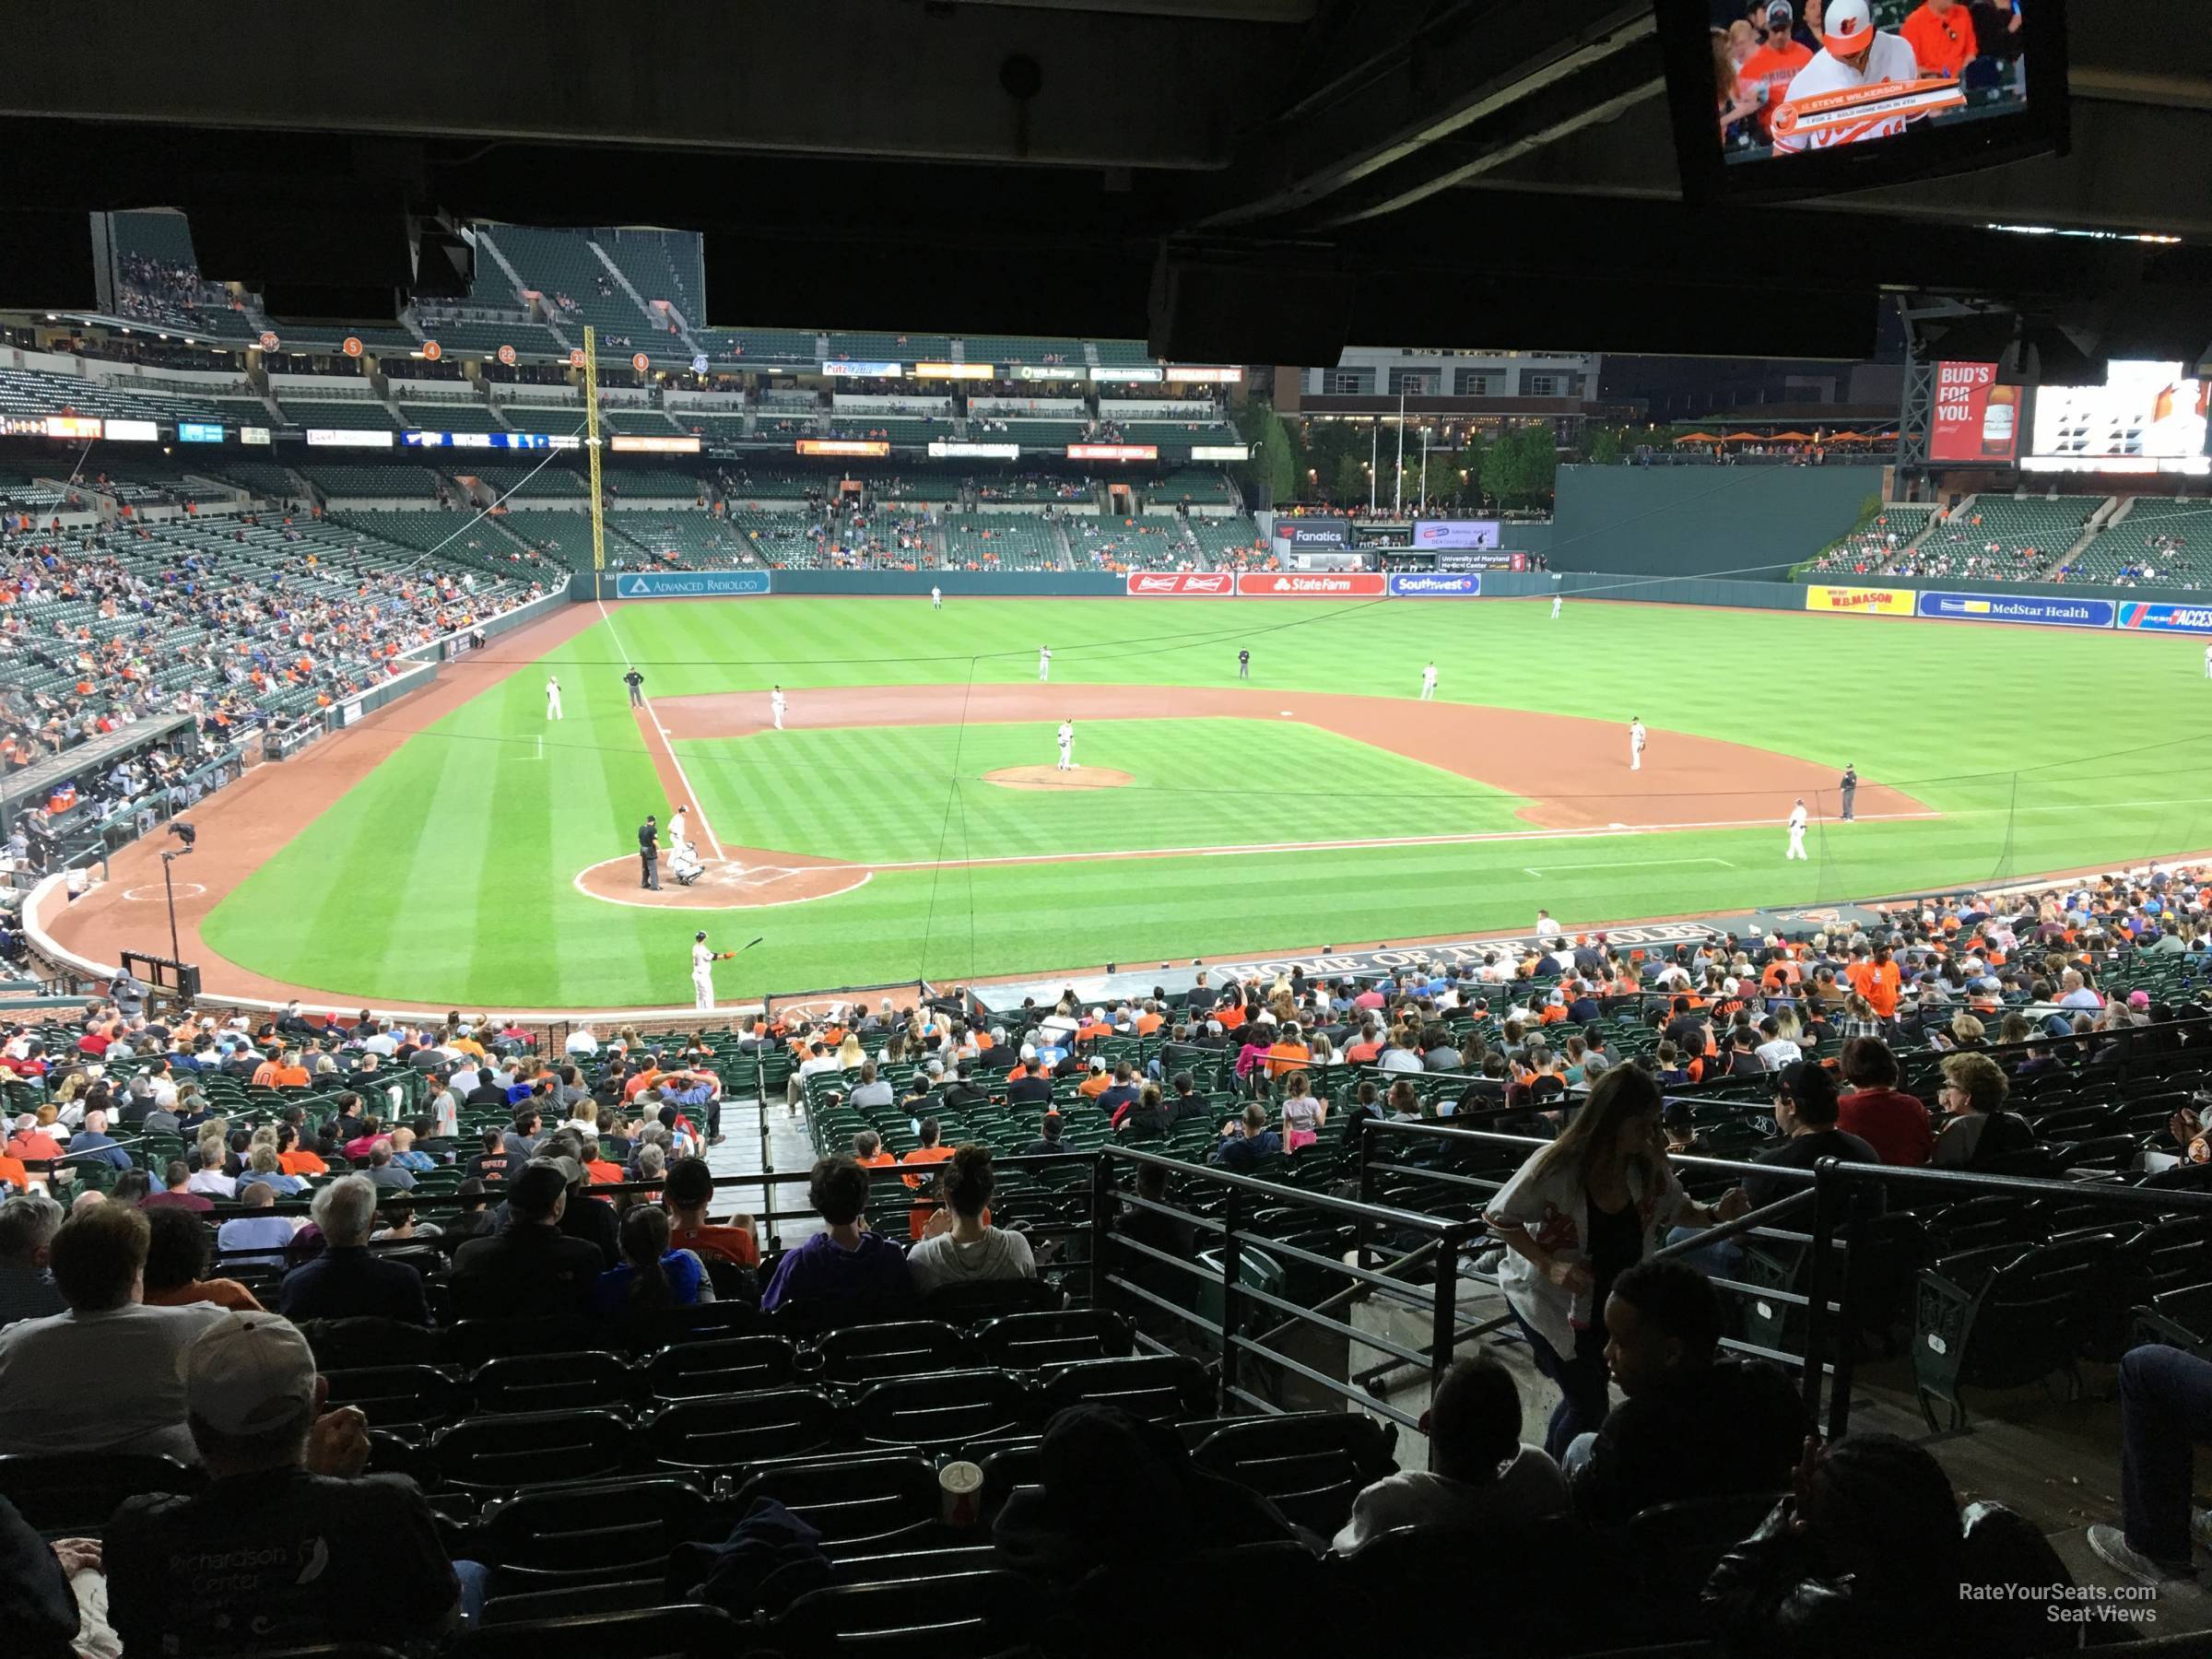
(1762,79)
(1097,1083)
(691,1189)
(1150,1021)
(1878,980)
(1941,33)
(929,1152)
(867,1151)
(32,1143)
(291,1074)
(1287,1054)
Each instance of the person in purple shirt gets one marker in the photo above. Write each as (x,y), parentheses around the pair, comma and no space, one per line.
(846,1266)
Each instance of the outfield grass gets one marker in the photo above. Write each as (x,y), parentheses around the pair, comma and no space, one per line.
(446,875)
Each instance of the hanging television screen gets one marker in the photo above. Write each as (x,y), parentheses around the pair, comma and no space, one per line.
(1798,96)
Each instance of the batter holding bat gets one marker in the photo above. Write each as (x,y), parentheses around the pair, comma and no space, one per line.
(702,971)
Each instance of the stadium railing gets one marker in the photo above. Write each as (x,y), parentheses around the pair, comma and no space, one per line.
(1834,1226)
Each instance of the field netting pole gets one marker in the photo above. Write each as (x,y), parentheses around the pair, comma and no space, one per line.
(2012,807)
(591,444)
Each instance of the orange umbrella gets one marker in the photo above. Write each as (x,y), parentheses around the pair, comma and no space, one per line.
(1698,438)
(1793,438)
(1849,437)
(1741,438)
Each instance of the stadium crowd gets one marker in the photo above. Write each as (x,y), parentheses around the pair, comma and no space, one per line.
(200,1300)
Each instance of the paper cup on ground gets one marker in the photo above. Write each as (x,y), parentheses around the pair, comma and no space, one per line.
(961,1490)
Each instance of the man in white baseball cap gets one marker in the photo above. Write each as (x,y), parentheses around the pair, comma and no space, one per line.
(288,1513)
(1853,55)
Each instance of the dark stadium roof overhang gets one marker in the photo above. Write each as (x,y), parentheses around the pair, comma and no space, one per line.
(1258,180)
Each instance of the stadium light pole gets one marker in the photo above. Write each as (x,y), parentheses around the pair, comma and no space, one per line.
(1374,460)
(1397,485)
(1424,506)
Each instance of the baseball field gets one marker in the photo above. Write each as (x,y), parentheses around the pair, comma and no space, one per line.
(912,819)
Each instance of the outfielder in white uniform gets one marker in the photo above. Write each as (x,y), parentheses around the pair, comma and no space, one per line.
(1797,848)
(2209,662)
(1557,600)
(702,971)
(552,698)
(1635,744)
(1067,746)
(1854,54)
(936,598)
(775,707)
(1429,683)
(1044,662)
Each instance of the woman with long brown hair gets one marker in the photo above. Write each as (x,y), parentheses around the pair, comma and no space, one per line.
(1577,1215)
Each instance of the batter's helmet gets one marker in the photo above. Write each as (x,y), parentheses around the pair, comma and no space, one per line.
(1847,30)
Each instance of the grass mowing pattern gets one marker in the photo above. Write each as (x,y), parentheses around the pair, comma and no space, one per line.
(1201,782)
(445,875)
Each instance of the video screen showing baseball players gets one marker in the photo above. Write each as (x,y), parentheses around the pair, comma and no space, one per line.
(1795,77)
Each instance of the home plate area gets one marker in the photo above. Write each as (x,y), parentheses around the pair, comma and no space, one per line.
(744,880)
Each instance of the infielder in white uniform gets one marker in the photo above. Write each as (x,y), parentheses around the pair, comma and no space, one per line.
(1635,744)
(552,698)
(1429,683)
(702,971)
(1557,600)
(1797,848)
(936,598)
(1044,662)
(775,707)
(1853,55)
(1067,746)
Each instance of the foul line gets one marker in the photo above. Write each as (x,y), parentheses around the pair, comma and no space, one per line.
(669,748)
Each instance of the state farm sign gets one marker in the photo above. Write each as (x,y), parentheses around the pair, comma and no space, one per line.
(1185,583)
(1311,585)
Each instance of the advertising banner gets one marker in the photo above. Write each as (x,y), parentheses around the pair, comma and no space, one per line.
(841,446)
(2005,607)
(1492,560)
(1456,533)
(1316,533)
(1048,371)
(1863,601)
(1976,420)
(198,431)
(254,434)
(652,444)
(1113,452)
(1209,373)
(690,585)
(979,371)
(864,370)
(328,438)
(1221,452)
(134,431)
(1128,376)
(2168,618)
(958,449)
(1423,584)
(1181,584)
(1311,585)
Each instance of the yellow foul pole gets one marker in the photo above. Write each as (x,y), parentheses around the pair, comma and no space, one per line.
(591,444)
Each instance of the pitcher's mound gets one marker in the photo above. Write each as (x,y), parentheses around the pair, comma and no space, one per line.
(1051,776)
